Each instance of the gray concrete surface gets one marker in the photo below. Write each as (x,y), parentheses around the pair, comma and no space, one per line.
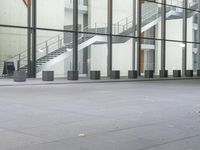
(158,115)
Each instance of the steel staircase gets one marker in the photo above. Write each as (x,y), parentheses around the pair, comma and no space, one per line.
(54,50)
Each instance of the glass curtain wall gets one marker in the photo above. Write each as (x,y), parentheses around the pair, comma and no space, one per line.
(110,35)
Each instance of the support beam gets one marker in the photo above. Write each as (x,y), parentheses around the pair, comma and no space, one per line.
(163,35)
(75,36)
(134,35)
(184,49)
(29,39)
(110,20)
(34,36)
(139,22)
(198,33)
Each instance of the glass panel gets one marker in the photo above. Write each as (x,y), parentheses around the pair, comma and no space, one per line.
(13,12)
(122,54)
(193,5)
(55,14)
(13,47)
(191,54)
(178,3)
(123,17)
(192,27)
(148,51)
(54,52)
(157,56)
(173,56)
(151,19)
(96,19)
(97,54)
(84,59)
(174,24)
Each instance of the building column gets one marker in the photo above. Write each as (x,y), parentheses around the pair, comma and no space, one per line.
(34,36)
(184,47)
(74,74)
(29,39)
(198,37)
(139,22)
(109,30)
(163,35)
(75,36)
(134,35)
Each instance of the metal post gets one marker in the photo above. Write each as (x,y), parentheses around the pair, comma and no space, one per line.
(139,20)
(163,35)
(29,39)
(118,30)
(75,36)
(95,27)
(184,48)
(110,18)
(18,62)
(126,23)
(34,19)
(134,29)
(114,26)
(47,48)
(198,33)
(58,41)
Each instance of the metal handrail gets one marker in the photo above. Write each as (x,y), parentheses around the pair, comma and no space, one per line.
(24,52)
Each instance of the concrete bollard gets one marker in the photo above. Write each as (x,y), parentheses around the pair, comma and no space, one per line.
(189,73)
(177,73)
(132,74)
(148,73)
(163,73)
(72,75)
(115,74)
(19,76)
(48,75)
(95,75)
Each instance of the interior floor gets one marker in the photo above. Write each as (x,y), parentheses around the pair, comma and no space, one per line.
(158,115)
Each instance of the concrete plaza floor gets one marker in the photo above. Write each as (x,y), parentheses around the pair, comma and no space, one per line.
(154,115)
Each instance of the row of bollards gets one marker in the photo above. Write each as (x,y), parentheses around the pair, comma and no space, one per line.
(20,76)
(133,74)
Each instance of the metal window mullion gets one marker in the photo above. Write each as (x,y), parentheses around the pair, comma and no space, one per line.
(134,35)
(163,35)
(34,36)
(29,39)
(198,34)
(75,36)
(110,20)
(184,49)
(139,20)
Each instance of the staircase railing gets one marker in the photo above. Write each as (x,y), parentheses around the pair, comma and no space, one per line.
(120,26)
(43,48)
